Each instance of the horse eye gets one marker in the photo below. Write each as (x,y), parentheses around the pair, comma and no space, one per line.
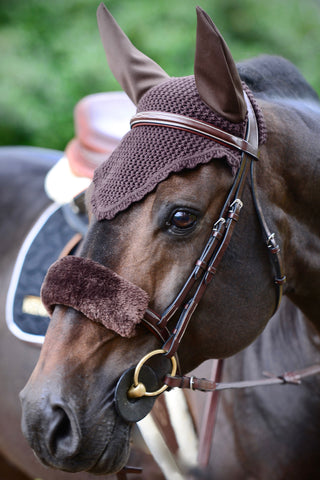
(183,219)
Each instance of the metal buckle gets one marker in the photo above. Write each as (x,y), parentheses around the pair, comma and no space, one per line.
(221,220)
(271,241)
(238,202)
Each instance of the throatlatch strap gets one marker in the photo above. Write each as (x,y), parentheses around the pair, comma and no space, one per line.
(270,241)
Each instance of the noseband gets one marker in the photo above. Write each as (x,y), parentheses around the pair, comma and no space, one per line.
(206,266)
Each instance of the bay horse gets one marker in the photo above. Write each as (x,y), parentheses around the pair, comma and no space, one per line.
(149,224)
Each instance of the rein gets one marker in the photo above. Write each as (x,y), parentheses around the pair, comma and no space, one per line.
(205,385)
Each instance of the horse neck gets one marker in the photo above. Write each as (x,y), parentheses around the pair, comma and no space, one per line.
(289,184)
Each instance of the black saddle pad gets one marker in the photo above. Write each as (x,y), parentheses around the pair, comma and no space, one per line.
(26,317)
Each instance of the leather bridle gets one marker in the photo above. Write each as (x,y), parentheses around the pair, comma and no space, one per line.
(204,270)
(206,266)
(202,274)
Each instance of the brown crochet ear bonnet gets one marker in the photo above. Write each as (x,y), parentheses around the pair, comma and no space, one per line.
(148,154)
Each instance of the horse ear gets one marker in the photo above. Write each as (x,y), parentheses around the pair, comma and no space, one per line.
(135,72)
(215,71)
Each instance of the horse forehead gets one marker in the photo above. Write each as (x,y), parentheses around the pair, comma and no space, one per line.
(185,186)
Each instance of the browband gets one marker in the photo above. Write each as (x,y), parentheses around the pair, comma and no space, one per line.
(180,122)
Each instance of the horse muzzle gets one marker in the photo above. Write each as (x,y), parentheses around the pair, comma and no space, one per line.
(52,428)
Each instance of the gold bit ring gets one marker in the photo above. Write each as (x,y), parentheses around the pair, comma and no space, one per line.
(138,389)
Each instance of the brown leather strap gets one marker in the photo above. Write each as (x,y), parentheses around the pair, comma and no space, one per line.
(180,122)
(206,385)
(70,245)
(229,217)
(191,383)
(270,240)
(173,343)
(152,321)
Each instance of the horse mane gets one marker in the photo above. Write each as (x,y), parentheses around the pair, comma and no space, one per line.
(271,77)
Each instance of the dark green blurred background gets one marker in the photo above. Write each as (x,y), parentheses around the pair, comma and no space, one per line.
(51,55)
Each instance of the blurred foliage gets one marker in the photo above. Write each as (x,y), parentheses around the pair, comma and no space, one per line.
(51,54)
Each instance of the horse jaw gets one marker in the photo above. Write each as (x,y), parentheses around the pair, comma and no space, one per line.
(68,412)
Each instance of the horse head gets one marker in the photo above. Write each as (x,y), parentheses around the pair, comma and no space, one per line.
(159,212)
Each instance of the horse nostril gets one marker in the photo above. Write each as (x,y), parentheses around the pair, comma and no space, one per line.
(63,436)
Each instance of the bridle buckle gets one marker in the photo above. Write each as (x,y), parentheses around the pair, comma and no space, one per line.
(237,202)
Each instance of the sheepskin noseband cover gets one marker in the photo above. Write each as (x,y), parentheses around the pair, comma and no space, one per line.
(97,292)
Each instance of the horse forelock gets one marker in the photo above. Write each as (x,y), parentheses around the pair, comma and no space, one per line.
(147,155)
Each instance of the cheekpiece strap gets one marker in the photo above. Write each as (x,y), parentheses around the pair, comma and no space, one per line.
(192,125)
